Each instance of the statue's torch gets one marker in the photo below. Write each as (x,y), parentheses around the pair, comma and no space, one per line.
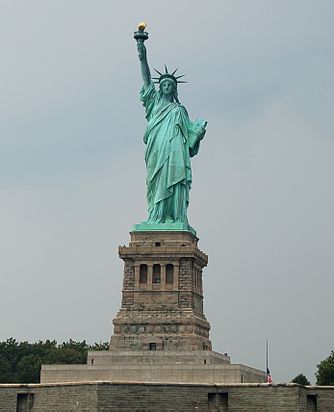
(140,35)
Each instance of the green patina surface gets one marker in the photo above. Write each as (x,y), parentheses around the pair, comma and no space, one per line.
(171,139)
(169,227)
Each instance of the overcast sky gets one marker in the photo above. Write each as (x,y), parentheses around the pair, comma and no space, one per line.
(72,173)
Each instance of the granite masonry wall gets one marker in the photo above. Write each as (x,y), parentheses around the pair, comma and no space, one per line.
(107,396)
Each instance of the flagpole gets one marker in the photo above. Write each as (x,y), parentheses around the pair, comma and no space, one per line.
(269,379)
(267,351)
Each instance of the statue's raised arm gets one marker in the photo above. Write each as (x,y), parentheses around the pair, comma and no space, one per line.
(171,140)
(141,36)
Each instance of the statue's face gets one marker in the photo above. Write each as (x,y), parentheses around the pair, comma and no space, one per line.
(167,87)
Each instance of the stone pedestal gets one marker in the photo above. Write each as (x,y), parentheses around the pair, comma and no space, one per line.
(162,296)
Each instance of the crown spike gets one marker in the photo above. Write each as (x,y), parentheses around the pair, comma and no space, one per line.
(167,75)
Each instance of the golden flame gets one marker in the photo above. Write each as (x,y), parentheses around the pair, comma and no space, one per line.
(142,26)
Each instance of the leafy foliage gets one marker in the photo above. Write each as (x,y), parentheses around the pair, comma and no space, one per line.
(20,362)
(301,379)
(325,373)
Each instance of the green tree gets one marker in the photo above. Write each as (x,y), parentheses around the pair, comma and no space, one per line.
(301,379)
(28,369)
(325,373)
(6,371)
(20,362)
(99,346)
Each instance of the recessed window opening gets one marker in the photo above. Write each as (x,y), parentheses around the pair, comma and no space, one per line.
(24,402)
(143,274)
(218,402)
(169,273)
(156,278)
(311,402)
(152,346)
(157,243)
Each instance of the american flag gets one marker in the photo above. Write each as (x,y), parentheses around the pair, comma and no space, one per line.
(269,379)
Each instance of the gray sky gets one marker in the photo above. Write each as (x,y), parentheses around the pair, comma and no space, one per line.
(72,175)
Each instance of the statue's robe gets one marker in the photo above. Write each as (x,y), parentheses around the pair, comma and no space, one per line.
(171,140)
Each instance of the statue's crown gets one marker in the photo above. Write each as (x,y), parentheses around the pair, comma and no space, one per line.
(167,75)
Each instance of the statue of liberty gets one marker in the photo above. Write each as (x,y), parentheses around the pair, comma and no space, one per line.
(171,140)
